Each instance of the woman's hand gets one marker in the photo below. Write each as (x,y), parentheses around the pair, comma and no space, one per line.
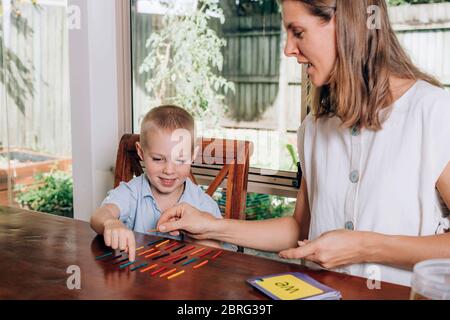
(334,249)
(118,236)
(186,218)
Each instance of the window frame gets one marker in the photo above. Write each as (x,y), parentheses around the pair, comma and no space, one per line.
(280,183)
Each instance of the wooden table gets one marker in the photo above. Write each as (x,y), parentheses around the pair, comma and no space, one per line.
(38,248)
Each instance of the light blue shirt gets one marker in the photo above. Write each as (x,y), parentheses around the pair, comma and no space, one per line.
(139,210)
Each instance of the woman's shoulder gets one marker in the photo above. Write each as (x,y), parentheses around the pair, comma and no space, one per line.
(429,99)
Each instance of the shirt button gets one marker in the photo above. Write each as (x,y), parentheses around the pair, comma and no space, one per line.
(355,131)
(349,225)
(354,176)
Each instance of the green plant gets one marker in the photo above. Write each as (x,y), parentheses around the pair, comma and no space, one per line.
(184,62)
(52,193)
(269,207)
(261,206)
(294,156)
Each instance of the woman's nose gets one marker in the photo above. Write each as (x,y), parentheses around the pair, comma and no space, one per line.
(292,50)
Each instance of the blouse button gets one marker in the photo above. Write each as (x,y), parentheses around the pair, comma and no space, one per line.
(349,225)
(354,176)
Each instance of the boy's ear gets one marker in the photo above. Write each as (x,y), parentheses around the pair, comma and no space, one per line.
(140,152)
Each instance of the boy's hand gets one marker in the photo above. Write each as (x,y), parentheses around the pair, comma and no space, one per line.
(117,236)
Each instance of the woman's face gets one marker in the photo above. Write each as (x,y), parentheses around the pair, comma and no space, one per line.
(310,40)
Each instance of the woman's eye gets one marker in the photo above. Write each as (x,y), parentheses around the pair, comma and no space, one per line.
(298,34)
(156,159)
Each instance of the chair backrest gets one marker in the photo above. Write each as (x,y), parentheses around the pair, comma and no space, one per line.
(232,155)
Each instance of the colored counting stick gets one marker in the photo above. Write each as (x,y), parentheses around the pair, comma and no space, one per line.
(189,261)
(162,243)
(154,242)
(120,261)
(114,258)
(171,246)
(205,253)
(126,264)
(181,259)
(197,251)
(104,255)
(187,249)
(217,254)
(161,256)
(178,248)
(139,266)
(146,251)
(153,254)
(168,272)
(154,273)
(153,266)
(175,275)
(200,264)
(172,258)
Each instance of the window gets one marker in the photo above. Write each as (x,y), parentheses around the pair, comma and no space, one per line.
(35,136)
(237,52)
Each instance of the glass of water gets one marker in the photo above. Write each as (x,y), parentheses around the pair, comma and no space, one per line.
(431,280)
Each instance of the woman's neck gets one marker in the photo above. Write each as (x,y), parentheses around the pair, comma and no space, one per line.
(399,86)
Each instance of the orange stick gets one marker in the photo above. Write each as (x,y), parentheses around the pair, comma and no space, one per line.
(162,243)
(152,254)
(200,264)
(217,254)
(153,266)
(158,271)
(140,248)
(146,251)
(205,253)
(186,250)
(197,251)
(175,275)
(171,246)
(172,258)
(168,272)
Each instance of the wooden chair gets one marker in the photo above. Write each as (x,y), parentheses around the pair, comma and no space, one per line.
(232,155)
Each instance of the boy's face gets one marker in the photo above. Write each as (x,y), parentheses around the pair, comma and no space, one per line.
(167,159)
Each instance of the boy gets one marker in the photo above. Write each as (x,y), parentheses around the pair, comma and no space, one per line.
(138,204)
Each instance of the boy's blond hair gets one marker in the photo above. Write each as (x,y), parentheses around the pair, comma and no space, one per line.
(167,117)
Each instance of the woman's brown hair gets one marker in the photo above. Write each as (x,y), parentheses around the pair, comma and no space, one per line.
(367,57)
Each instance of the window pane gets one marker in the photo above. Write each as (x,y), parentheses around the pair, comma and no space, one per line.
(35,135)
(238,54)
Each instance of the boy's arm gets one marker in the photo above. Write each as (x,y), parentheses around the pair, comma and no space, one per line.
(105,220)
(102,215)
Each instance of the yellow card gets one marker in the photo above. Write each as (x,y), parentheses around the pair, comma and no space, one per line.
(289,287)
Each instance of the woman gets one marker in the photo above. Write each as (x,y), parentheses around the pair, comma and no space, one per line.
(374,153)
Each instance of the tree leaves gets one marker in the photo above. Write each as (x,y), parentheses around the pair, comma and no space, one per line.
(184,61)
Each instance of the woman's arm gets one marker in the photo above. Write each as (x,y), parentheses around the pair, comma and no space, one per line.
(342,247)
(269,235)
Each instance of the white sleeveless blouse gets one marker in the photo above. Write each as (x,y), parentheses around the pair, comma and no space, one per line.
(383,181)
